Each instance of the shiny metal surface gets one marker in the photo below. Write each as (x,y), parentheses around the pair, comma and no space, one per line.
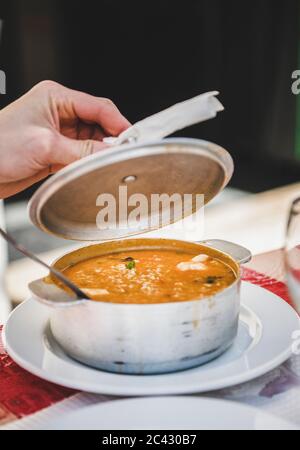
(240,254)
(148,339)
(143,339)
(65,205)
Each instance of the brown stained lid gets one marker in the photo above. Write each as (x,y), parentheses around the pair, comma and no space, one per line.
(66,204)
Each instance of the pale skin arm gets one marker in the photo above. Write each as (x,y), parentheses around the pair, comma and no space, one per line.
(48,128)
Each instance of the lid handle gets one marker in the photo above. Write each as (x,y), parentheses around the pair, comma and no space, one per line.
(162,124)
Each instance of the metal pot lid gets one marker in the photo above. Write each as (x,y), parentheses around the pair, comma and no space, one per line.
(110,195)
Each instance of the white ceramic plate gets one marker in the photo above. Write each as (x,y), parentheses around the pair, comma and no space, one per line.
(169,413)
(264,341)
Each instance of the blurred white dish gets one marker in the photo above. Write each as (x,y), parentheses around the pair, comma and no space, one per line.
(170,413)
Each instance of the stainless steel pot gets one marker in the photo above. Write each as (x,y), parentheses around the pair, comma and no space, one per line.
(145,339)
(131,338)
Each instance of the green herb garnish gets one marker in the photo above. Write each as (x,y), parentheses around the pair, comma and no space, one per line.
(130,265)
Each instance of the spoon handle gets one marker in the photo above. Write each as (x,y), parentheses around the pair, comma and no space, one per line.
(78,292)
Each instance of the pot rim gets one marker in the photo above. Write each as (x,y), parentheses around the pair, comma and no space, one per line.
(148,305)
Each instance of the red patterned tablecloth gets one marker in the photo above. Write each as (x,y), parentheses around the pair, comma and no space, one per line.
(22,394)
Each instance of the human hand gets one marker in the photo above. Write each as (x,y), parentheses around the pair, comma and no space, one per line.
(48,128)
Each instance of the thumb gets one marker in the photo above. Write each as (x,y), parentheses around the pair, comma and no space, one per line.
(68,150)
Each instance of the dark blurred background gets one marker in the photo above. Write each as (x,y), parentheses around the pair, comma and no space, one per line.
(147,55)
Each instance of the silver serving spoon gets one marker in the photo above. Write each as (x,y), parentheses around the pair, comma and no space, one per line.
(20,248)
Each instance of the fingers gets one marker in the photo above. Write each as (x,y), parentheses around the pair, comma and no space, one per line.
(85,131)
(63,152)
(46,120)
(66,150)
(100,111)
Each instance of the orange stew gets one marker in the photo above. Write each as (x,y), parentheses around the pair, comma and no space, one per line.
(151,276)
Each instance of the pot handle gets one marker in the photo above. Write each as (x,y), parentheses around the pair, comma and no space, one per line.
(51,295)
(240,254)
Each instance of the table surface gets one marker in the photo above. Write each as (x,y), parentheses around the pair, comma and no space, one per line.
(277,392)
(257,222)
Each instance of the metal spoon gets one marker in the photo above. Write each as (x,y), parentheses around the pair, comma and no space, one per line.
(78,292)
